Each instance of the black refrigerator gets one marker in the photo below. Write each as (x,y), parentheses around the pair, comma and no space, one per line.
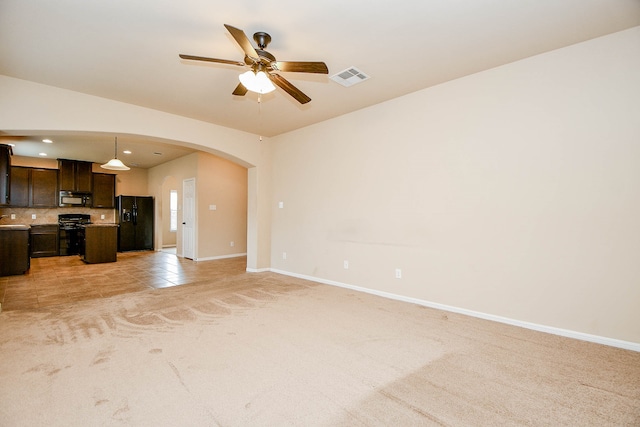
(135,220)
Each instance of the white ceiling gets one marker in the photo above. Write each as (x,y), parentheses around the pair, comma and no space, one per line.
(128,50)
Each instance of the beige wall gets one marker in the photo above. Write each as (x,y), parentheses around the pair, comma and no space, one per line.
(222,184)
(34,162)
(218,182)
(133,182)
(512,192)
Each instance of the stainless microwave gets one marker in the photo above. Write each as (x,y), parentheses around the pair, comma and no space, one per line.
(70,198)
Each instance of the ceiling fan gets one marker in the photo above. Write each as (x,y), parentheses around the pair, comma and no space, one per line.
(261,61)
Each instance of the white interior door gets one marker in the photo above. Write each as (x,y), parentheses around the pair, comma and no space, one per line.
(189,218)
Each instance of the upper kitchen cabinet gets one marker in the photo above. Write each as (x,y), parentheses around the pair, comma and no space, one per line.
(34,187)
(5,173)
(44,188)
(75,176)
(20,180)
(104,190)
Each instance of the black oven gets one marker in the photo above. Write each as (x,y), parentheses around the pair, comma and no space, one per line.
(70,226)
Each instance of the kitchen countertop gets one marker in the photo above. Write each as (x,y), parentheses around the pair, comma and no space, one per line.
(14,227)
(100,225)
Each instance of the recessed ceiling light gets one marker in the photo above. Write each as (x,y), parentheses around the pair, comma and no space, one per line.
(47,141)
(157,153)
(42,154)
(127,152)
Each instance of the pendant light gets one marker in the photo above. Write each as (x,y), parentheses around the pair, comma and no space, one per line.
(115,164)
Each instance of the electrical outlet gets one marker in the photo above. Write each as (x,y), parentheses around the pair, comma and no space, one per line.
(13,216)
(232,244)
(33,216)
(284,255)
(346,264)
(102,216)
(398,273)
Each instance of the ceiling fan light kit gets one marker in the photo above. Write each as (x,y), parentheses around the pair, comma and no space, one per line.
(256,82)
(263,76)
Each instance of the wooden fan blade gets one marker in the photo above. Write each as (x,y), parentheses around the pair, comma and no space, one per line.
(301,67)
(285,85)
(243,41)
(202,58)
(240,90)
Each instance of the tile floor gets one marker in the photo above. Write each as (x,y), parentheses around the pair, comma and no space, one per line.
(63,280)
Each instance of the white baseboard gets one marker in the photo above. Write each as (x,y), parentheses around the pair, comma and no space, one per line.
(627,345)
(212,258)
(257,270)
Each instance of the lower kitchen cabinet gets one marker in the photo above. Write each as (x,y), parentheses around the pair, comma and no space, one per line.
(44,240)
(98,243)
(14,250)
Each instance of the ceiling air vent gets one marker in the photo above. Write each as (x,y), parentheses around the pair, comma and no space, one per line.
(349,77)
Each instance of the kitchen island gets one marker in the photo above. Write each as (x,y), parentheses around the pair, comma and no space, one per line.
(98,243)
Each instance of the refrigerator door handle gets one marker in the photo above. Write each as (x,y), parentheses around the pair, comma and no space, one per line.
(134,211)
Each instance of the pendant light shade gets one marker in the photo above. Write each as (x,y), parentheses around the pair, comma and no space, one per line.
(115,164)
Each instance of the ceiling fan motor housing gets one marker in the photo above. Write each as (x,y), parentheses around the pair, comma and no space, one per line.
(262,39)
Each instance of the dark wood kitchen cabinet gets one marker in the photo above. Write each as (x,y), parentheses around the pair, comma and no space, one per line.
(104,190)
(14,249)
(75,175)
(44,240)
(43,188)
(20,186)
(5,173)
(34,187)
(98,243)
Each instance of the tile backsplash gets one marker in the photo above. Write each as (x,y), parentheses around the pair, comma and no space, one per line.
(50,216)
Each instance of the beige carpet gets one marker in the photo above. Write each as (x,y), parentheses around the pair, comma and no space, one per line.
(269,350)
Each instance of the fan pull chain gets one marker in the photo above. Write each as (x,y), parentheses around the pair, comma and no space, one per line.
(260,114)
